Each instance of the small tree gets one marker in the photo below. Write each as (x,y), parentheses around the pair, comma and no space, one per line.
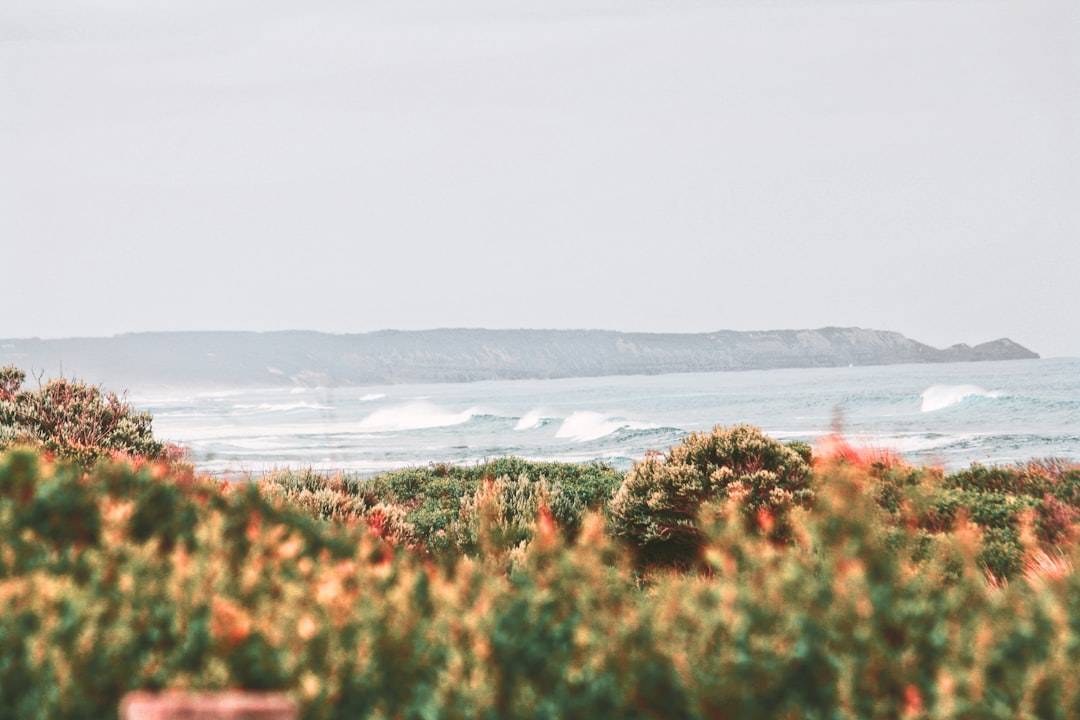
(72,419)
(656,508)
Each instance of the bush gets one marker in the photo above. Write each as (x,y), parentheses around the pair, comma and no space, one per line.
(132,577)
(434,507)
(334,498)
(1002,502)
(72,419)
(656,508)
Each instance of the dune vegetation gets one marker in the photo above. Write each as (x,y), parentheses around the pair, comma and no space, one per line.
(734,577)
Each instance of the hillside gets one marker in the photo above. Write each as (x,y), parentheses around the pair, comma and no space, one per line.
(462,355)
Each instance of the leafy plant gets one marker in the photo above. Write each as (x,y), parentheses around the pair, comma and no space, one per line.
(72,419)
(879,599)
(1002,502)
(102,593)
(434,507)
(656,508)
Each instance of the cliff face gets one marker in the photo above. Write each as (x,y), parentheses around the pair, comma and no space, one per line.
(461,355)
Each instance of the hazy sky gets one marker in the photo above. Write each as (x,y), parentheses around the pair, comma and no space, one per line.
(661,165)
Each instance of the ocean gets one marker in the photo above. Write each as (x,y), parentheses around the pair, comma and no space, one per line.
(948,414)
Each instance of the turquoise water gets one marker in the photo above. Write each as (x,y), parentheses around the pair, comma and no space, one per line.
(950,414)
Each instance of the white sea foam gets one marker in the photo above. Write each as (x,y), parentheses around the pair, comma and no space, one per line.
(530,421)
(414,416)
(902,443)
(219,429)
(371,397)
(937,397)
(280,446)
(215,430)
(223,439)
(586,425)
(283,407)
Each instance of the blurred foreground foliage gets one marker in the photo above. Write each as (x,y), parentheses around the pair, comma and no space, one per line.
(733,577)
(881,599)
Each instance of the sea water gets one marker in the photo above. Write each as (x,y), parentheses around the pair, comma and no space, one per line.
(947,414)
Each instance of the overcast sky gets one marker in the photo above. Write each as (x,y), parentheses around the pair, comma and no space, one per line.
(658,165)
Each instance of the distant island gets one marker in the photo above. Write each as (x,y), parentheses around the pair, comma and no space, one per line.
(463,355)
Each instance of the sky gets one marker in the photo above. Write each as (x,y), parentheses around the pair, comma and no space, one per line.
(637,165)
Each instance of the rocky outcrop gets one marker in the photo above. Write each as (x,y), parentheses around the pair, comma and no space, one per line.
(462,355)
(1001,349)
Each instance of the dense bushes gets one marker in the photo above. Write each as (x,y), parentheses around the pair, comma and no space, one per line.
(858,589)
(1040,499)
(72,419)
(656,510)
(245,590)
(434,508)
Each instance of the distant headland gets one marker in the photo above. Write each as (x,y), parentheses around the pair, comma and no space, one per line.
(463,355)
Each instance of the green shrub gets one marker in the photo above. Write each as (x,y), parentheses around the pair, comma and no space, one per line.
(72,419)
(334,498)
(656,508)
(434,507)
(998,500)
(501,514)
(102,593)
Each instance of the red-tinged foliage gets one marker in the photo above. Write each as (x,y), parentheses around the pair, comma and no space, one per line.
(74,420)
(861,613)
(837,448)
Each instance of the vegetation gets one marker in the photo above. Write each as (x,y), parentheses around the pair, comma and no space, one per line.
(657,508)
(1039,499)
(72,419)
(433,509)
(138,576)
(732,579)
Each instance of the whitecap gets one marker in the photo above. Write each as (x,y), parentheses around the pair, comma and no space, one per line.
(586,425)
(371,397)
(937,397)
(414,416)
(530,421)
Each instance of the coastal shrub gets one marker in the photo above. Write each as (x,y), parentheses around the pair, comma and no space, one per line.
(335,498)
(434,507)
(437,490)
(656,508)
(72,419)
(500,515)
(247,591)
(1003,503)
(1040,497)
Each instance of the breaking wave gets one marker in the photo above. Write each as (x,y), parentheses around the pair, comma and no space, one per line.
(937,397)
(586,425)
(414,416)
(530,421)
